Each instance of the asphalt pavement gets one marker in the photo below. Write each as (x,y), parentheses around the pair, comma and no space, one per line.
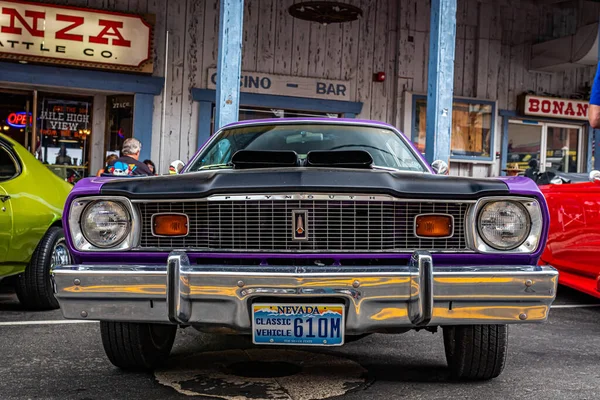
(42,357)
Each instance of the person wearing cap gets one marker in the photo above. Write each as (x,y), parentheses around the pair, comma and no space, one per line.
(513,169)
(175,167)
(128,164)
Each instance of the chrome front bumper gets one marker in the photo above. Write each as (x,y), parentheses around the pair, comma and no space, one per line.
(377,298)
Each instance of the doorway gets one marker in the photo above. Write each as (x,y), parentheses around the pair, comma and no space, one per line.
(119,123)
(553,146)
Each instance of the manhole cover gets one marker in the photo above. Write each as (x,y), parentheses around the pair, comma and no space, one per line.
(264,374)
(264,369)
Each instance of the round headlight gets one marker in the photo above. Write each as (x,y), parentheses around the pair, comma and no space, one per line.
(504,225)
(105,223)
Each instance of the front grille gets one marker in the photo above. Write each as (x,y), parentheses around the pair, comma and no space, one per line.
(333,225)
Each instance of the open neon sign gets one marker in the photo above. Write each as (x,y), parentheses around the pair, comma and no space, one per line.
(19,119)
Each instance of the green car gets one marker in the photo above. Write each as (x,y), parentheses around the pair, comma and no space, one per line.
(32,240)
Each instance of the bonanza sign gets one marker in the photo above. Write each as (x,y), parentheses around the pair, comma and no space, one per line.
(75,36)
(553,107)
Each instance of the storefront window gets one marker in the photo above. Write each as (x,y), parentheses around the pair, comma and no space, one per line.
(562,149)
(120,122)
(543,146)
(472,128)
(64,128)
(16,116)
(524,145)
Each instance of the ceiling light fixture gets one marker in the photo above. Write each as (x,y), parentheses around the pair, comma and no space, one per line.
(325,12)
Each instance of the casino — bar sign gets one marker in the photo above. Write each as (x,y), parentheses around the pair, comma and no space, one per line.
(76,36)
(553,107)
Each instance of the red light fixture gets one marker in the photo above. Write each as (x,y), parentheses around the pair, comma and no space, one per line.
(380,77)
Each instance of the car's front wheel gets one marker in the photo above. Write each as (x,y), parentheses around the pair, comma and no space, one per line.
(34,286)
(130,345)
(476,352)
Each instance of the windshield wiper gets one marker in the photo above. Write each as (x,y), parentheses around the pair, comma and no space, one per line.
(362,145)
(391,169)
(214,166)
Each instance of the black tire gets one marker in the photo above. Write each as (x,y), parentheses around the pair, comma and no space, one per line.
(476,352)
(34,286)
(136,346)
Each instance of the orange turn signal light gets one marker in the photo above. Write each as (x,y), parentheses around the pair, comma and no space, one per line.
(434,226)
(170,224)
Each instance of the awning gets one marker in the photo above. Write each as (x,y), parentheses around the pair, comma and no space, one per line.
(574,51)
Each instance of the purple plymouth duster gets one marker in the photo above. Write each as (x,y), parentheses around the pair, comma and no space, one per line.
(307,232)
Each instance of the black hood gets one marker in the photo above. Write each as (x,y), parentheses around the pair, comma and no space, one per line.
(293,180)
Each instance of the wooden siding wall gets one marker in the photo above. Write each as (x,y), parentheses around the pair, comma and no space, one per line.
(494,39)
(274,42)
(493,51)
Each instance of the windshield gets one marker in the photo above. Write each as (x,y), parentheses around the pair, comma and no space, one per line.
(385,146)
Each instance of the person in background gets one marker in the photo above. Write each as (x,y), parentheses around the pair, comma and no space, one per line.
(150,166)
(128,164)
(534,168)
(176,167)
(110,158)
(63,158)
(594,110)
(38,148)
(513,169)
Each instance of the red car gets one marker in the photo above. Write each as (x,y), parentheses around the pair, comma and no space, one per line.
(574,235)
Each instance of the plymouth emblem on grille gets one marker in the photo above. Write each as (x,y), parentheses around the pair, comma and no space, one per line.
(300,224)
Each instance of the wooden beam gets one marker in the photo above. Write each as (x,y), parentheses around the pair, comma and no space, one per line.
(229,62)
(440,83)
(549,2)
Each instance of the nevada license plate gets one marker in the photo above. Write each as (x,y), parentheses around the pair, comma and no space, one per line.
(298,324)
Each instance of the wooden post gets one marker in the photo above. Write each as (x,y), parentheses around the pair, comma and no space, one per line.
(229,62)
(596,135)
(34,132)
(440,83)
(98,137)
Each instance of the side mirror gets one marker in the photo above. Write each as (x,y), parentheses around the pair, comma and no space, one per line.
(440,167)
(595,176)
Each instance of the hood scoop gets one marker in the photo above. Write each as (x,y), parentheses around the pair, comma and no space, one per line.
(247,159)
(339,159)
(244,159)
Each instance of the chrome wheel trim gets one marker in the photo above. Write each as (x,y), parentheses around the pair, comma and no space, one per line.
(60,254)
